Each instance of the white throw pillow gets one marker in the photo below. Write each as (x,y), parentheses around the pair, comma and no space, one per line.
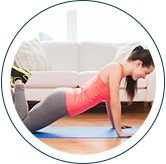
(30,56)
(124,51)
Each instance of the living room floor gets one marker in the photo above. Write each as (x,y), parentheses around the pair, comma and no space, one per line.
(133,115)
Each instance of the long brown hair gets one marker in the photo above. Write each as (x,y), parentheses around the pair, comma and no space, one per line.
(138,53)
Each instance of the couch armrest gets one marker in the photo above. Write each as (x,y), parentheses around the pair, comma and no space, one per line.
(151,88)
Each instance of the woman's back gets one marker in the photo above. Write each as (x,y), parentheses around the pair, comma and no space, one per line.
(93,92)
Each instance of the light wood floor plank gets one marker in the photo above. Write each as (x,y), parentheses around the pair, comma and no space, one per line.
(134,115)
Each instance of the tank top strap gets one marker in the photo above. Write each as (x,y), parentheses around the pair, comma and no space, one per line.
(122,71)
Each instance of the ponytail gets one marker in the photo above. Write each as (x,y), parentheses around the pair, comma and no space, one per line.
(131,87)
(138,53)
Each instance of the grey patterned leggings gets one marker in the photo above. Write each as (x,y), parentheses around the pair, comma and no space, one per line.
(50,109)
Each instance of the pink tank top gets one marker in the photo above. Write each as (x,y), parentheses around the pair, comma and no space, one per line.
(79,100)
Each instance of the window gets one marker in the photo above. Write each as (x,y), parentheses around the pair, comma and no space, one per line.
(86,25)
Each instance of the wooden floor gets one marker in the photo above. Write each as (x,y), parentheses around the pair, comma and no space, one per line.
(133,115)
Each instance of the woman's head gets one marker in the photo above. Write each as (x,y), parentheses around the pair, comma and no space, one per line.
(139,53)
(140,71)
(143,65)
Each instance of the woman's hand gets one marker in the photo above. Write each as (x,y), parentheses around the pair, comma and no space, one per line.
(125,134)
(125,126)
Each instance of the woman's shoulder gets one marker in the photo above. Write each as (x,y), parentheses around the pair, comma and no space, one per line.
(110,70)
(114,66)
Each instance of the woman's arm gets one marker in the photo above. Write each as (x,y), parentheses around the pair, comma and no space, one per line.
(115,105)
(116,116)
(108,107)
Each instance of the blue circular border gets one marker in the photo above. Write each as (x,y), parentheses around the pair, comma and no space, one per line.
(107,5)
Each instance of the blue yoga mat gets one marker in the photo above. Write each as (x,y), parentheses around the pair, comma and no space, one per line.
(80,132)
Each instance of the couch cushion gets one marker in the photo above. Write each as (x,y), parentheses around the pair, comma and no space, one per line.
(62,56)
(52,79)
(124,51)
(30,56)
(85,76)
(141,84)
(93,56)
(36,94)
(141,95)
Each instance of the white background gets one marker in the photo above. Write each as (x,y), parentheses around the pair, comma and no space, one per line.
(13,14)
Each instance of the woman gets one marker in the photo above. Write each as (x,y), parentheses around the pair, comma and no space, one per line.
(68,101)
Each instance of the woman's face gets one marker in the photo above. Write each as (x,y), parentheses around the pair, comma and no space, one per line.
(141,72)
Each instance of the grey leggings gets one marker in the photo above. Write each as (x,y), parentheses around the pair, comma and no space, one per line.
(50,109)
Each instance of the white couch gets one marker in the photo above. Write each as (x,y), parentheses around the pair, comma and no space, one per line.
(72,64)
